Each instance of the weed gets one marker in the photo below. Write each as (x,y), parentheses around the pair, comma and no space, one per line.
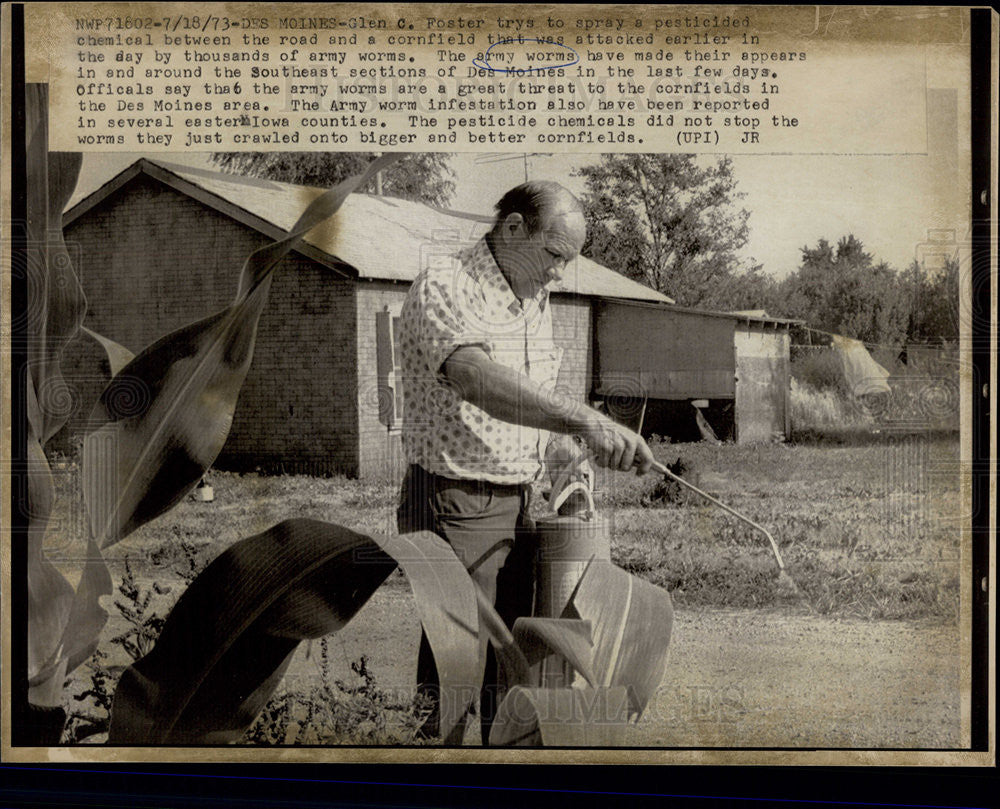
(134,606)
(92,717)
(819,368)
(142,612)
(183,555)
(335,712)
(143,625)
(665,491)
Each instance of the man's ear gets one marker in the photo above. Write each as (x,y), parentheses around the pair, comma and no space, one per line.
(511,225)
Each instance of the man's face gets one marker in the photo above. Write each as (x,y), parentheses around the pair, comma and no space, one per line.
(532,261)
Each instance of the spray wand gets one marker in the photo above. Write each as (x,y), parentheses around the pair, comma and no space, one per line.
(786,586)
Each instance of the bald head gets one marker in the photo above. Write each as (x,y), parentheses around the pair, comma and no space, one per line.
(539,229)
(536,202)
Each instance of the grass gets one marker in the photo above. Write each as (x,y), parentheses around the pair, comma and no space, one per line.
(865,529)
(867,525)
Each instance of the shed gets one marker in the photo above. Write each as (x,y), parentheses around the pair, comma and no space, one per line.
(159,245)
(734,366)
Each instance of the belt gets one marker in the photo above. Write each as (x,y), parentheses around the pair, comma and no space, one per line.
(512,488)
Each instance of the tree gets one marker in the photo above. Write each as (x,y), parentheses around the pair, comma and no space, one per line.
(844,291)
(935,297)
(423,177)
(666,221)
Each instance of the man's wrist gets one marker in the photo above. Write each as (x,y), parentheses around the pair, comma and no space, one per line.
(583,421)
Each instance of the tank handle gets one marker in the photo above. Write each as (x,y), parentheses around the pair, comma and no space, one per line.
(562,487)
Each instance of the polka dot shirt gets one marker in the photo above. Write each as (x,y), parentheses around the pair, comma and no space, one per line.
(466,301)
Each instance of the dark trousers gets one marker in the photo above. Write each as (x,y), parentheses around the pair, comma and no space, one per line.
(488,527)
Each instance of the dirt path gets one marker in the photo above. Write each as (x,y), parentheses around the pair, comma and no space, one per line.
(741,678)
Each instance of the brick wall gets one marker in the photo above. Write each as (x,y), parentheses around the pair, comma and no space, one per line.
(571,327)
(151,260)
(296,412)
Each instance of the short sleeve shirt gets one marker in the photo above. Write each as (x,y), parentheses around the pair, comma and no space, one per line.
(466,301)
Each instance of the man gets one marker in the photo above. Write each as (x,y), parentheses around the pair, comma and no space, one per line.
(479,368)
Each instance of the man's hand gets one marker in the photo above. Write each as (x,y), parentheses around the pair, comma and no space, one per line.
(616,447)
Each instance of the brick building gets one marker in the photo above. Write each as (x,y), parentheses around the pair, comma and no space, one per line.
(160,245)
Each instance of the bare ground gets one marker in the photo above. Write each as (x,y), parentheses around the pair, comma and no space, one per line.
(738,678)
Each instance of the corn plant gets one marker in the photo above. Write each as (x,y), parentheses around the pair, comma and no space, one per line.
(614,632)
(56,310)
(300,579)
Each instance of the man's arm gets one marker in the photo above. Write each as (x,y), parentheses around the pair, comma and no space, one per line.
(510,396)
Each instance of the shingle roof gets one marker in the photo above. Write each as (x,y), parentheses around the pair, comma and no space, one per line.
(383,238)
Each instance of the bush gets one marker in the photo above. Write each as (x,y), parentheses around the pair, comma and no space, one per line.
(820,368)
(823,410)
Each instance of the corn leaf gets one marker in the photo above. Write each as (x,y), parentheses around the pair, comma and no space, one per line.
(224,644)
(56,304)
(61,633)
(118,356)
(165,417)
(446,599)
(56,307)
(49,593)
(631,621)
(540,638)
(514,666)
(228,640)
(561,717)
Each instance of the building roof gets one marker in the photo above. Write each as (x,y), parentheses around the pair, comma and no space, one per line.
(761,316)
(371,237)
(752,316)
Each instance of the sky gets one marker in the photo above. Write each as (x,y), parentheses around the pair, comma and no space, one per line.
(889,202)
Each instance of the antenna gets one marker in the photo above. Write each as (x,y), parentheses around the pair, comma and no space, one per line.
(499,157)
